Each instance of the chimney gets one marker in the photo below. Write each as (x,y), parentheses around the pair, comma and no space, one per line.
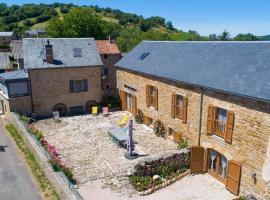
(49,52)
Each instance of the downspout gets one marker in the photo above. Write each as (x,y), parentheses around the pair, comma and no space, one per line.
(30,91)
(200,117)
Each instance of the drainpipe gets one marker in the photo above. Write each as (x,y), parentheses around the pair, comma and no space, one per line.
(200,117)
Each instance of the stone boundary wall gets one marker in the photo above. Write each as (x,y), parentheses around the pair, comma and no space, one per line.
(63,189)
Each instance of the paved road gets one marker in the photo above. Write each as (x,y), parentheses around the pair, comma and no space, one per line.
(16,182)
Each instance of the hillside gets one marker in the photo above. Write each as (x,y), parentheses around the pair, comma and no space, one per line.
(69,20)
(265,38)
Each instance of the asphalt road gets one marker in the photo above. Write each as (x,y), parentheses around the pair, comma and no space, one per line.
(16,181)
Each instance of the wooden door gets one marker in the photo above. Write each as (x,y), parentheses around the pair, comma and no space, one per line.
(233,177)
(134,105)
(197,159)
(122,96)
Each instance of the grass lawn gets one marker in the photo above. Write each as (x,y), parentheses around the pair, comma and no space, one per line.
(44,184)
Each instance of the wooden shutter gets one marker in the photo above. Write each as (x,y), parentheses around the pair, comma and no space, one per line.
(173,105)
(156,98)
(229,127)
(184,109)
(197,159)
(233,177)
(71,85)
(177,137)
(134,105)
(85,85)
(122,96)
(147,95)
(210,119)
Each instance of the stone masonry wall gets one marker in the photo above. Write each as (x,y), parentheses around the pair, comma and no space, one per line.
(51,86)
(251,125)
(21,105)
(110,79)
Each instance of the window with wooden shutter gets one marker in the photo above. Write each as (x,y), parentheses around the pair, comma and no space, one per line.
(173,105)
(229,127)
(197,159)
(184,110)
(122,96)
(233,177)
(134,105)
(210,119)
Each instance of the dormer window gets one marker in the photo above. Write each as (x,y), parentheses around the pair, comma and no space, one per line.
(77,52)
(143,56)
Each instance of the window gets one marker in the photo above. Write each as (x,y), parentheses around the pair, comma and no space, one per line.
(78,85)
(179,107)
(17,89)
(220,122)
(105,71)
(152,96)
(105,56)
(143,56)
(77,52)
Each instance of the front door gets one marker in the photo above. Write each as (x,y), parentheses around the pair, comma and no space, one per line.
(129,102)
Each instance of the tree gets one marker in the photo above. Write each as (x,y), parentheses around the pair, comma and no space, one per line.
(245,37)
(225,36)
(79,22)
(213,37)
(169,25)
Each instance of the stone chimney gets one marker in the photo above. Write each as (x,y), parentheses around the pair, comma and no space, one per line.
(49,52)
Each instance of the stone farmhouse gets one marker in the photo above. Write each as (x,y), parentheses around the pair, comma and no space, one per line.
(213,94)
(59,74)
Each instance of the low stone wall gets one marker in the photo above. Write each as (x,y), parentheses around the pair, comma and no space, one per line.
(145,167)
(64,190)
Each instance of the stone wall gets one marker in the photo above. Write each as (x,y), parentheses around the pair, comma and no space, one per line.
(51,86)
(251,125)
(110,79)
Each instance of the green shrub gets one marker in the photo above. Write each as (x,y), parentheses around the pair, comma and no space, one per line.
(69,174)
(139,117)
(142,183)
(55,165)
(25,119)
(164,171)
(110,101)
(182,143)
(187,160)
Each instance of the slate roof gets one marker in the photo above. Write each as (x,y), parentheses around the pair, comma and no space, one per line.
(107,47)
(6,34)
(14,75)
(17,49)
(34,52)
(241,68)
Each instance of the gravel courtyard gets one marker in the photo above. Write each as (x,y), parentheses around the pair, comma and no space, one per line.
(84,145)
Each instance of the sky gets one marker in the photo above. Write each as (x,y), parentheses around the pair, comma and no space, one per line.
(204,16)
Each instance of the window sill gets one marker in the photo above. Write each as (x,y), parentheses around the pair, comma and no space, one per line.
(218,139)
(78,91)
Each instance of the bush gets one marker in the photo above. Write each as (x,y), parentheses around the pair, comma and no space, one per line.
(139,117)
(69,174)
(25,119)
(55,165)
(110,101)
(159,129)
(142,183)
(182,143)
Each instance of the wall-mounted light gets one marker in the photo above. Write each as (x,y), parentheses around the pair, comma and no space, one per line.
(254,177)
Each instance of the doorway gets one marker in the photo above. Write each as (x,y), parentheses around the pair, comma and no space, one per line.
(129,102)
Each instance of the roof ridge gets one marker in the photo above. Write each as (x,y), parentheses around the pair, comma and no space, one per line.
(218,42)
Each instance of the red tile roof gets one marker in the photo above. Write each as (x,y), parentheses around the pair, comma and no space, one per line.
(107,47)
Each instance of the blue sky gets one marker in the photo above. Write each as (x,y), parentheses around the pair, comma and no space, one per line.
(205,16)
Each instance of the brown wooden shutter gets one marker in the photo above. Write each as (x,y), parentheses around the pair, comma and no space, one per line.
(122,96)
(197,159)
(177,137)
(210,120)
(233,177)
(134,105)
(229,127)
(156,98)
(184,109)
(173,105)
(147,95)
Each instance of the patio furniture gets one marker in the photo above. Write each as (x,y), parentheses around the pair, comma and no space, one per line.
(123,120)
(105,111)
(118,136)
(94,110)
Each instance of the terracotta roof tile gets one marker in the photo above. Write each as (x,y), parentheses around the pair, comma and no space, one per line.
(107,47)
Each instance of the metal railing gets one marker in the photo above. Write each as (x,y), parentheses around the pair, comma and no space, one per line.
(219,128)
